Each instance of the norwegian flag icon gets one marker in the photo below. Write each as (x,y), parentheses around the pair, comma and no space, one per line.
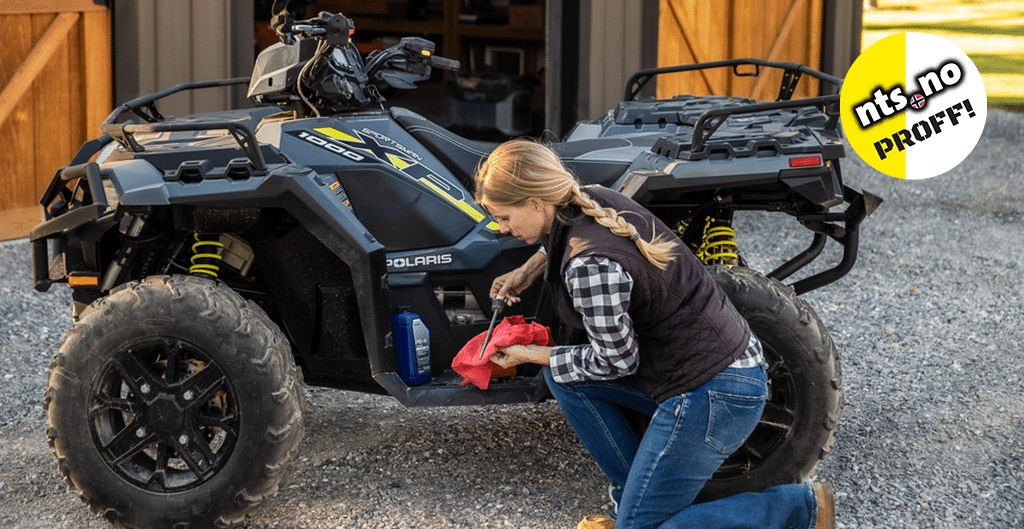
(917,101)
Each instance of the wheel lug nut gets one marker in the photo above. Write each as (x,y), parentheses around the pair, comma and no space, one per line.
(183,440)
(145,389)
(141,432)
(188,395)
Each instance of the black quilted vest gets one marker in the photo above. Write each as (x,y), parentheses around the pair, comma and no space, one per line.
(687,329)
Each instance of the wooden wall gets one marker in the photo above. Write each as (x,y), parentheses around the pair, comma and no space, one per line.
(55,74)
(693,31)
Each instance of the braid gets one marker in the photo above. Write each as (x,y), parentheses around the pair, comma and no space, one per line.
(659,251)
(522,169)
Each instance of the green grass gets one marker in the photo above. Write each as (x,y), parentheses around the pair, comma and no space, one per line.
(994,63)
(961,27)
(990,33)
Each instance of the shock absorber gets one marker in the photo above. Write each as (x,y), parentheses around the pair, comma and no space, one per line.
(719,244)
(206,255)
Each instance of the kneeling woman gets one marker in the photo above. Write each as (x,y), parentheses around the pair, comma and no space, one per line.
(664,340)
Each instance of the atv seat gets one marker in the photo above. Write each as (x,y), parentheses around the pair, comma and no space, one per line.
(458,154)
(462,155)
(579,158)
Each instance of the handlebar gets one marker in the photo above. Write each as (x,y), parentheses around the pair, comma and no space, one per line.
(309,30)
(337,30)
(411,48)
(337,77)
(442,63)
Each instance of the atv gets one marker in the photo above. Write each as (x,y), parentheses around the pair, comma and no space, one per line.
(220,261)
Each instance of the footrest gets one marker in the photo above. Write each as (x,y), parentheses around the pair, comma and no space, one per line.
(446,389)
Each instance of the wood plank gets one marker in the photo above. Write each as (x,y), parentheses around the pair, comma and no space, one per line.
(682,28)
(751,21)
(54,114)
(16,158)
(47,123)
(29,7)
(16,223)
(76,109)
(691,32)
(97,67)
(783,35)
(810,87)
(34,63)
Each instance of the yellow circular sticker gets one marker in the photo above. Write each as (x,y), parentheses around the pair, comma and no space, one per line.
(913,105)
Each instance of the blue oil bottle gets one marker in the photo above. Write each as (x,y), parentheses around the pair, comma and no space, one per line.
(412,347)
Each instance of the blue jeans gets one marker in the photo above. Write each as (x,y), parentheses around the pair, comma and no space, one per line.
(655,479)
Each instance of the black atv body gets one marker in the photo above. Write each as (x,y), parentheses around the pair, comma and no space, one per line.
(315,218)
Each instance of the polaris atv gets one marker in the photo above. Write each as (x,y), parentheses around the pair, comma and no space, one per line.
(220,261)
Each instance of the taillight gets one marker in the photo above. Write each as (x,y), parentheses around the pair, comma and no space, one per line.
(805,161)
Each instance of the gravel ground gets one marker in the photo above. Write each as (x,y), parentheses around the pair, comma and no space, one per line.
(929,325)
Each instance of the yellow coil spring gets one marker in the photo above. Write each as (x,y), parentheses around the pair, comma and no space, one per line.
(719,246)
(204,257)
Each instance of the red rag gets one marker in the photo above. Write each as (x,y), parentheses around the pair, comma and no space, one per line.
(512,330)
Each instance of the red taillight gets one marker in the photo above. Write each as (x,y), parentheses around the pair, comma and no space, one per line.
(805,161)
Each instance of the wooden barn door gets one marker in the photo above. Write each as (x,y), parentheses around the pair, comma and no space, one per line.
(55,90)
(692,31)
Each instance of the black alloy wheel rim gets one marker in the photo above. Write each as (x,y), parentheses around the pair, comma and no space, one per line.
(163,414)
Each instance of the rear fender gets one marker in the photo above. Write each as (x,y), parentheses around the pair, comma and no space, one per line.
(811,195)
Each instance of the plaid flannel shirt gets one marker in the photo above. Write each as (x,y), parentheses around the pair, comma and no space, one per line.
(600,290)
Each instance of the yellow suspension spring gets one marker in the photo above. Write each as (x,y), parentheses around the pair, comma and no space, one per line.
(205,256)
(719,245)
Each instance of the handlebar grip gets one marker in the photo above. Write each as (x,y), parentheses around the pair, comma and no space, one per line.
(444,64)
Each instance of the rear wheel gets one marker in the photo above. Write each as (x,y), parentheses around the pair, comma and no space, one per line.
(798,426)
(174,403)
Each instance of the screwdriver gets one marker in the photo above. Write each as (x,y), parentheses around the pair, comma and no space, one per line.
(497,306)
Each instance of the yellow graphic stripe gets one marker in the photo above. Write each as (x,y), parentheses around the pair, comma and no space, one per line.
(399,163)
(466,208)
(337,134)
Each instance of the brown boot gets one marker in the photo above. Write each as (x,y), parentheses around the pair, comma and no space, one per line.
(596,521)
(826,506)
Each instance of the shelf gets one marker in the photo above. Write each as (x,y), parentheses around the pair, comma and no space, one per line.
(500,32)
(403,27)
(459,39)
(410,27)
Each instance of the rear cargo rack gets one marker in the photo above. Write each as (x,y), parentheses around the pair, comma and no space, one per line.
(790,77)
(711,120)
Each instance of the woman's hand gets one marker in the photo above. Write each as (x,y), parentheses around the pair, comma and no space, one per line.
(511,284)
(514,355)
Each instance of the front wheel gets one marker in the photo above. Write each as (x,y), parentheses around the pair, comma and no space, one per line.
(798,425)
(174,403)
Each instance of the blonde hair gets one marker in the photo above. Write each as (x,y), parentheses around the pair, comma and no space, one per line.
(519,170)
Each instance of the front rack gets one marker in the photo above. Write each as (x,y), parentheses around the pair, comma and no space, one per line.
(145,108)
